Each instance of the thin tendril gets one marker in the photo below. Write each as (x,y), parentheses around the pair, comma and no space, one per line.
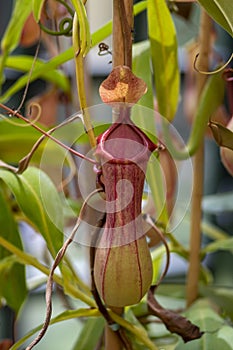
(33,121)
(29,75)
(62,29)
(214,71)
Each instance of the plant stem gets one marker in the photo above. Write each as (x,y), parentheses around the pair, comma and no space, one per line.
(112,340)
(122,32)
(79,66)
(198,167)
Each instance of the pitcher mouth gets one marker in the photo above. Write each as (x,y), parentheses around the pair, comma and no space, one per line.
(124,142)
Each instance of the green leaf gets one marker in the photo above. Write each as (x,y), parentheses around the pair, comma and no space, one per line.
(211,98)
(225,336)
(207,342)
(223,297)
(21,11)
(24,63)
(12,274)
(221,11)
(203,314)
(38,199)
(141,68)
(11,37)
(218,335)
(16,141)
(37,6)
(163,44)
(144,117)
(90,334)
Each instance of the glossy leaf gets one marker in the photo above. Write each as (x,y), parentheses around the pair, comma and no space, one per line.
(12,274)
(163,44)
(38,199)
(90,334)
(221,11)
(37,7)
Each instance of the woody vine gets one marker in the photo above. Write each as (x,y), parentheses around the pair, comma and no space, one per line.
(121,249)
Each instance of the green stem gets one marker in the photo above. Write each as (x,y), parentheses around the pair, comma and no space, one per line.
(80,50)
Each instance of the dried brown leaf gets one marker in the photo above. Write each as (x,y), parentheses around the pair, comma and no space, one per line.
(174,322)
(122,86)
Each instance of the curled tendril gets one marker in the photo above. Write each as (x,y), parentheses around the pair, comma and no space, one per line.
(33,121)
(214,71)
(65,27)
